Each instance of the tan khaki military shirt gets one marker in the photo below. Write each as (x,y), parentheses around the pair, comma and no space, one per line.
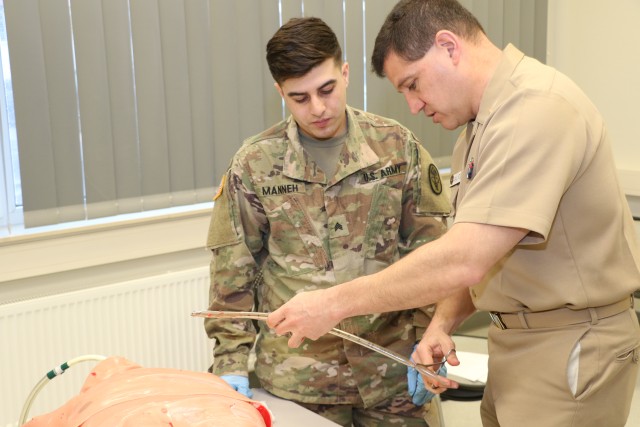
(538,157)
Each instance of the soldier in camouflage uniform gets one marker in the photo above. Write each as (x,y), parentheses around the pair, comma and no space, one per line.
(327,195)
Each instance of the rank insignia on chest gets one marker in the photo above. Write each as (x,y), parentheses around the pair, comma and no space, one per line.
(338,226)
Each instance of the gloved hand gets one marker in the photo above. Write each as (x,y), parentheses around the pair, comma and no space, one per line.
(239,384)
(419,394)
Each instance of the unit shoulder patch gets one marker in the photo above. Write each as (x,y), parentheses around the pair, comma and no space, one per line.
(434,179)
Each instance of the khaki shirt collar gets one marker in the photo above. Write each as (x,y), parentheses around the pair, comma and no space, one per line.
(499,86)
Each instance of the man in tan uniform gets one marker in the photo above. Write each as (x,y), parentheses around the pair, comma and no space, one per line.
(326,195)
(542,235)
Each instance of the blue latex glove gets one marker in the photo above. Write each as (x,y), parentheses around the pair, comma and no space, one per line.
(239,384)
(419,394)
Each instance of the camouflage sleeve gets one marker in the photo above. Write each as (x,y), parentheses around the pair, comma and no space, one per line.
(235,239)
(425,206)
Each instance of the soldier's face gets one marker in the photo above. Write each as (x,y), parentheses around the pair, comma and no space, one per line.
(318,100)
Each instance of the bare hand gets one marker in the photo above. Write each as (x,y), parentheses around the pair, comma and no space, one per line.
(433,348)
(307,315)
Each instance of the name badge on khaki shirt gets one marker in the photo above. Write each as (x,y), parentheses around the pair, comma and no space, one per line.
(455,179)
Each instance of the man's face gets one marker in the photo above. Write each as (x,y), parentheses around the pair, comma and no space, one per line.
(430,85)
(318,99)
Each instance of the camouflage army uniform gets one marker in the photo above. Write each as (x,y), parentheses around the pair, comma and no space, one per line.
(280,226)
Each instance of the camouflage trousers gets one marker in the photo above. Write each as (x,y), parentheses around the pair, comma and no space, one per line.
(396,412)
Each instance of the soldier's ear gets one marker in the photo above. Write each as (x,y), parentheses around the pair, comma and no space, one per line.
(279,89)
(345,73)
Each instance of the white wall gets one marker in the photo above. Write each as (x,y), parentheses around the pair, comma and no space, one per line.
(597,44)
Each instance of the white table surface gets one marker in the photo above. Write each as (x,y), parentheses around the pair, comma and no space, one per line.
(464,413)
(289,414)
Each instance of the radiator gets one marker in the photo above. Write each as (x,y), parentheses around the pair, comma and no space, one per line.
(145,320)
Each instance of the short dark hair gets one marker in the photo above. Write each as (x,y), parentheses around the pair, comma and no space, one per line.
(299,45)
(411,27)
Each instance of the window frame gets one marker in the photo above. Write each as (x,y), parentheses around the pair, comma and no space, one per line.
(54,250)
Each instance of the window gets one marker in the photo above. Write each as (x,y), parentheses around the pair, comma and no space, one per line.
(120,107)
(10,189)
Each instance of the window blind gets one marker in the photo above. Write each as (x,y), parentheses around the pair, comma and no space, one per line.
(132,105)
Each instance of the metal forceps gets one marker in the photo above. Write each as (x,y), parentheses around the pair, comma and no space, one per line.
(337,332)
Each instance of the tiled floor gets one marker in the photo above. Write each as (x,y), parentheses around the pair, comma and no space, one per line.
(467,414)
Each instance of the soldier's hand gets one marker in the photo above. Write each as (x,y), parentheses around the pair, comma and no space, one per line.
(416,388)
(239,384)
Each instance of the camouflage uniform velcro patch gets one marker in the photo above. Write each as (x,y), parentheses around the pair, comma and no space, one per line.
(432,200)
(221,228)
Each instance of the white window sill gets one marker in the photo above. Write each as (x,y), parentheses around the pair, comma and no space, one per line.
(46,252)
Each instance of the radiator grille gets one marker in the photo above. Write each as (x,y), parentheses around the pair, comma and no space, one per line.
(146,320)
